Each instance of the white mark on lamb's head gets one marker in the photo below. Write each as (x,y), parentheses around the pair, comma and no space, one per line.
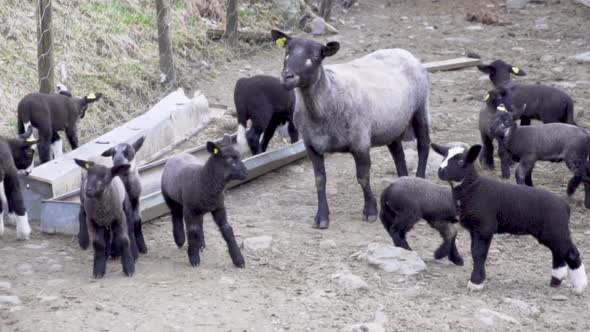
(453,167)
(63,90)
(124,153)
(499,71)
(303,59)
(99,176)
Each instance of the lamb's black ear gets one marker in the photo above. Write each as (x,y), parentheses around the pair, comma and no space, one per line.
(108,152)
(84,163)
(442,150)
(279,37)
(91,98)
(486,69)
(27,134)
(517,71)
(330,49)
(213,148)
(226,141)
(472,153)
(137,144)
(119,169)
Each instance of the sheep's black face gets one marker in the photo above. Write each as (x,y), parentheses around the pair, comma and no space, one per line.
(99,177)
(24,153)
(303,59)
(124,153)
(229,159)
(501,124)
(499,71)
(84,101)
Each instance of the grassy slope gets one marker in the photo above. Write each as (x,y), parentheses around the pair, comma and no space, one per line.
(109,47)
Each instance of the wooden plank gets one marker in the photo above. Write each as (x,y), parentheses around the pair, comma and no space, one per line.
(451,64)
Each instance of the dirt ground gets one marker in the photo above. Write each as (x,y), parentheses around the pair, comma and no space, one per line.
(290,288)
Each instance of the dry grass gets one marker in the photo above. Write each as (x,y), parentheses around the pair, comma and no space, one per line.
(111,47)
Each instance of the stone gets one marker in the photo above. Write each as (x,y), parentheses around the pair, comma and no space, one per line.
(226,280)
(547,58)
(559,298)
(56,267)
(474,28)
(318,26)
(55,282)
(516,4)
(367,327)
(582,57)
(327,244)
(257,245)
(392,259)
(5,285)
(524,308)
(349,281)
(565,84)
(9,299)
(24,269)
(47,298)
(34,246)
(491,317)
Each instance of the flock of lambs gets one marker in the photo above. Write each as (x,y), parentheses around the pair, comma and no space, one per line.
(376,100)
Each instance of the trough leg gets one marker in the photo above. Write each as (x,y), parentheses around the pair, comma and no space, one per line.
(227,232)
(421,131)
(121,238)
(194,227)
(100,246)
(177,223)
(480,245)
(363,176)
(83,239)
(322,220)
(397,153)
(486,157)
(269,131)
(293,133)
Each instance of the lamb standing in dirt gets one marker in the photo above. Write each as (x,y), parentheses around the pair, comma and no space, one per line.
(191,190)
(409,199)
(50,114)
(379,99)
(267,104)
(487,207)
(106,207)
(541,102)
(554,142)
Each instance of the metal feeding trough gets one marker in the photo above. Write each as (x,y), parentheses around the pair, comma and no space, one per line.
(60,214)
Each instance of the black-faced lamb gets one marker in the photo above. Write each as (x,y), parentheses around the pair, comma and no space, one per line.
(11,200)
(378,99)
(410,199)
(486,207)
(191,190)
(263,100)
(23,151)
(554,142)
(541,102)
(50,114)
(107,210)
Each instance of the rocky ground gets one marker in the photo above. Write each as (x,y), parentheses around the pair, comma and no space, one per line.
(301,279)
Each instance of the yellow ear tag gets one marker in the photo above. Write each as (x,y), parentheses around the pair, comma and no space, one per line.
(31,139)
(281,42)
(486,97)
(91,96)
(501,108)
(87,165)
(215,151)
(515,70)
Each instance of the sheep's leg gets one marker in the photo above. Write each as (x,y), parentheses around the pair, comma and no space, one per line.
(322,220)
(363,176)
(524,172)
(420,126)
(56,145)
(72,135)
(505,159)
(480,245)
(253,137)
(113,251)
(137,227)
(486,157)
(3,207)
(293,133)
(578,167)
(392,224)
(577,271)
(227,232)
(398,235)
(194,227)
(269,131)
(100,247)
(177,224)
(525,120)
(397,153)
(559,271)
(448,248)
(16,205)
(121,238)
(44,144)
(83,239)
(587,195)
(130,223)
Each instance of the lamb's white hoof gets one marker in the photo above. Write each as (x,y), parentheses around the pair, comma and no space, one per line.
(1,227)
(474,287)
(23,229)
(578,279)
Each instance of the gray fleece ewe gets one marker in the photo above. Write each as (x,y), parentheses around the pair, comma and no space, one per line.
(487,207)
(262,100)
(107,210)
(541,102)
(554,142)
(378,99)
(409,199)
(191,190)
(50,114)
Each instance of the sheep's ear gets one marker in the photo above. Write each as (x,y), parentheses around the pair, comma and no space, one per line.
(27,134)
(226,140)
(279,37)
(108,152)
(442,150)
(91,98)
(213,148)
(485,69)
(330,49)
(517,71)
(472,154)
(119,169)
(84,163)
(137,144)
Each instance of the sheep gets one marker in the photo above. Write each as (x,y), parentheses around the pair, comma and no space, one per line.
(107,209)
(409,199)
(23,151)
(267,104)
(554,142)
(541,102)
(11,200)
(191,190)
(49,114)
(379,99)
(487,206)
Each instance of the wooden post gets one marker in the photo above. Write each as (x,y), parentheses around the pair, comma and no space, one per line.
(45,47)
(167,69)
(326,9)
(231,25)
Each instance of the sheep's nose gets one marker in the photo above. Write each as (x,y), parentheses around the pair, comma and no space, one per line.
(287,75)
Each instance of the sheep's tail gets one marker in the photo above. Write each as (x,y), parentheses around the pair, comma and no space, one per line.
(23,116)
